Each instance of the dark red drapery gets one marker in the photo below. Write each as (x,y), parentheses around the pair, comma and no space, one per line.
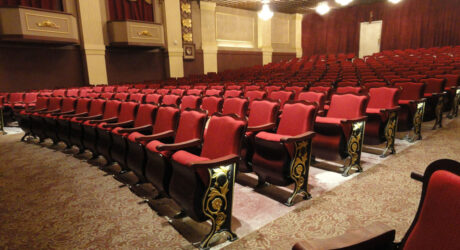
(42,4)
(408,24)
(131,10)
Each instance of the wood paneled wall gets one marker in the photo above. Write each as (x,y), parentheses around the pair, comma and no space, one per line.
(229,59)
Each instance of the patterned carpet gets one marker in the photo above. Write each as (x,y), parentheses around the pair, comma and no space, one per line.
(53,200)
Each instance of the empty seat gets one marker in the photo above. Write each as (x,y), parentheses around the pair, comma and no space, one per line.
(412,110)
(171,99)
(282,96)
(63,120)
(212,104)
(23,117)
(122,96)
(233,93)
(189,136)
(283,157)
(36,118)
(202,185)
(340,134)
(434,93)
(213,92)
(235,105)
(153,98)
(190,101)
(382,117)
(255,94)
(50,127)
(312,96)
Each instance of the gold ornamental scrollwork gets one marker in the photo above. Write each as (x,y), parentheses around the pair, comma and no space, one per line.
(47,24)
(299,170)
(144,33)
(417,122)
(186,22)
(217,202)
(438,112)
(354,147)
(390,133)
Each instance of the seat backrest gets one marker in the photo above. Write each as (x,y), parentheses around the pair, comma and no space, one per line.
(262,112)
(59,92)
(145,115)
(216,143)
(127,111)
(347,106)
(171,99)
(191,125)
(411,90)
(452,80)
(133,90)
(55,103)
(16,97)
(97,107)
(121,96)
(374,84)
(437,221)
(433,85)
(347,83)
(109,89)
(348,89)
(42,102)
(166,119)
(194,91)
(383,98)
(295,89)
(282,96)
(178,92)
(190,101)
(271,88)
(163,91)
(73,92)
(233,93)
(234,87)
(68,104)
(148,91)
(235,105)
(98,89)
(214,92)
(298,117)
(122,88)
(396,80)
(136,97)
(212,104)
(312,96)
(153,98)
(219,87)
(111,109)
(82,105)
(255,94)
(94,95)
(326,90)
(107,95)
(30,97)
(251,87)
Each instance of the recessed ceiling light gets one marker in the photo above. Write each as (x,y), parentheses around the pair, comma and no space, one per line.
(343,2)
(322,8)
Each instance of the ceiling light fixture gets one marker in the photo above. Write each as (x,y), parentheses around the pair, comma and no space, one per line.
(265,14)
(395,1)
(322,8)
(343,2)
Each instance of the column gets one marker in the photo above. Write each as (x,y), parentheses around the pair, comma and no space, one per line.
(92,40)
(172,24)
(265,39)
(208,36)
(298,35)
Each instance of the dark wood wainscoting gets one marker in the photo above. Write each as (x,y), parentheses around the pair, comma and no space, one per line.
(229,59)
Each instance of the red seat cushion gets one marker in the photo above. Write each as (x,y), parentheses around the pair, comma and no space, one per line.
(152,146)
(185,158)
(269,136)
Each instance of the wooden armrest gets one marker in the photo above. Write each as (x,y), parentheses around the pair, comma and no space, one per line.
(261,127)
(301,137)
(147,138)
(180,145)
(49,111)
(221,161)
(375,236)
(76,115)
(416,176)
(111,119)
(136,129)
(391,109)
(359,119)
(119,124)
(65,113)
(89,117)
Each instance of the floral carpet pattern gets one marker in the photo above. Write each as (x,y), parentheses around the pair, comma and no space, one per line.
(51,199)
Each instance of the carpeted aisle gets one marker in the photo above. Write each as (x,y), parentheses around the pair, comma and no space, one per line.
(51,199)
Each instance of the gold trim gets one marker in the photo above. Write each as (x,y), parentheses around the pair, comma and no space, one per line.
(354,147)
(390,133)
(47,24)
(27,14)
(144,33)
(417,122)
(299,170)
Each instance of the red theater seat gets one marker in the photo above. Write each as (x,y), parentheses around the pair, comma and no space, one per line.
(412,108)
(340,134)
(235,105)
(195,176)
(190,101)
(435,95)
(212,104)
(283,157)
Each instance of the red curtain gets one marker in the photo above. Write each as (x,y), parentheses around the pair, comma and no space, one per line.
(408,24)
(42,4)
(131,10)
